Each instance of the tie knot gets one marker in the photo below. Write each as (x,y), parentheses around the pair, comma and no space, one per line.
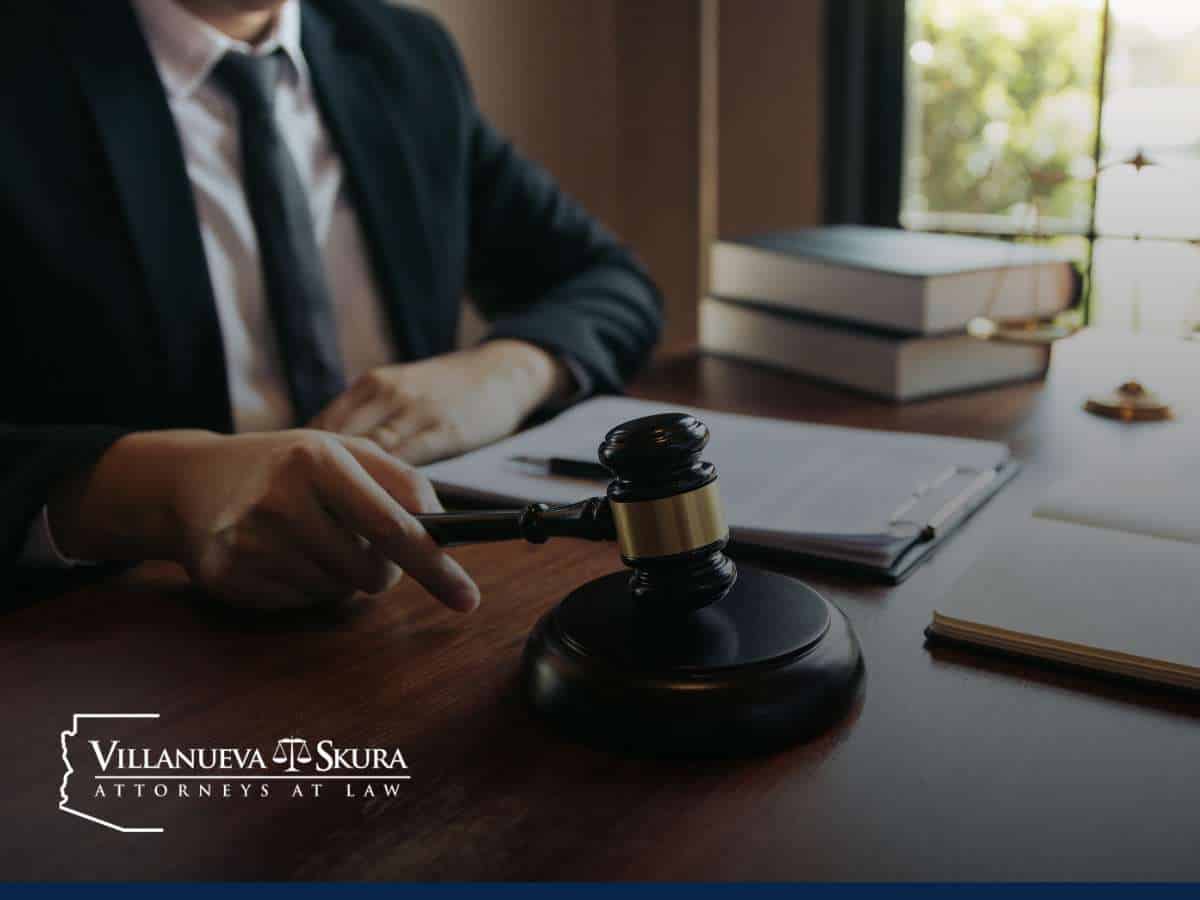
(250,80)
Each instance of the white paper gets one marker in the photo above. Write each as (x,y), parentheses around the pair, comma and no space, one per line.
(779,480)
(1158,501)
(1103,590)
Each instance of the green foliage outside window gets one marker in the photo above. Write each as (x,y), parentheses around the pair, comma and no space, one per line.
(1004,98)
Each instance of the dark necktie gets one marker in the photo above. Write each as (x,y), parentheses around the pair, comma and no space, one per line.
(297,291)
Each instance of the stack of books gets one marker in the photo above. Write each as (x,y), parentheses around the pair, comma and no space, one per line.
(882,310)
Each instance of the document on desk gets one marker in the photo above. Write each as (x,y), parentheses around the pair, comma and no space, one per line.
(1134,500)
(1102,577)
(855,496)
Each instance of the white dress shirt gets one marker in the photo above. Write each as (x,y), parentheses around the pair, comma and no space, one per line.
(185,50)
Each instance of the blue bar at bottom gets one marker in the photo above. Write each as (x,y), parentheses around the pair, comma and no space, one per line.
(626,891)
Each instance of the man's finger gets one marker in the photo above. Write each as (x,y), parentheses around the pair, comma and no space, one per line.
(425,447)
(394,431)
(380,408)
(311,524)
(290,562)
(364,505)
(409,487)
(334,416)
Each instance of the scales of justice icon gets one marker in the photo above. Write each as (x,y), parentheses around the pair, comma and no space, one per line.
(291,750)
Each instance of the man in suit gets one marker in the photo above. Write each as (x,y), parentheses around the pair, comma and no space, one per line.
(235,236)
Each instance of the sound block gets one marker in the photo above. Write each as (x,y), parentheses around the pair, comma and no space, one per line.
(771,663)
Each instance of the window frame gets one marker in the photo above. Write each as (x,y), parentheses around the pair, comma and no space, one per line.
(976,224)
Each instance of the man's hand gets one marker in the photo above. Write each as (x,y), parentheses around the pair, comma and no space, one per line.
(271,520)
(449,404)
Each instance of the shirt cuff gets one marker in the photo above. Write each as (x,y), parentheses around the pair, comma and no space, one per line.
(40,547)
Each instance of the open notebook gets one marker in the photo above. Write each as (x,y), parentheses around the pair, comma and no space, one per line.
(1102,577)
(856,497)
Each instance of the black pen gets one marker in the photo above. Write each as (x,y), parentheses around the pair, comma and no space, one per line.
(566,468)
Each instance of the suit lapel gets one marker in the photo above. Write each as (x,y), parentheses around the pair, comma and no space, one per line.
(388,196)
(137,131)
(138,134)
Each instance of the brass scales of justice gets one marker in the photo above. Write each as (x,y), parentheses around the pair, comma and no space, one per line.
(689,653)
(1129,401)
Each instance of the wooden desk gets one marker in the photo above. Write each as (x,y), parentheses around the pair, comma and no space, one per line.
(953,767)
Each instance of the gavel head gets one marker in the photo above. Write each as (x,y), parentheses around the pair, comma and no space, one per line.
(667,511)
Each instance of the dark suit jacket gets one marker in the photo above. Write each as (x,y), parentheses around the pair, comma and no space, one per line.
(109,323)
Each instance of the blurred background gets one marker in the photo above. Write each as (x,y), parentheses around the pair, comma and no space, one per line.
(1040,117)
(1074,123)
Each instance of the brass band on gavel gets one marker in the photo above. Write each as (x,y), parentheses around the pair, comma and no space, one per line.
(670,525)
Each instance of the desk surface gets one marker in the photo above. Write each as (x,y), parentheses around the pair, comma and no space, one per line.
(953,766)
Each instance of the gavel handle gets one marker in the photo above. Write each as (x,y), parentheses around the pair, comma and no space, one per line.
(588,519)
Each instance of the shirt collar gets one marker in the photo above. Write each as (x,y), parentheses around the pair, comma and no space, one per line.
(185,48)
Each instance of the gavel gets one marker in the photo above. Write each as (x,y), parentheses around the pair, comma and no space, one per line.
(688,655)
(663,508)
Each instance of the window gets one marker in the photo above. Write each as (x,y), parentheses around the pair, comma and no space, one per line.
(1068,122)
